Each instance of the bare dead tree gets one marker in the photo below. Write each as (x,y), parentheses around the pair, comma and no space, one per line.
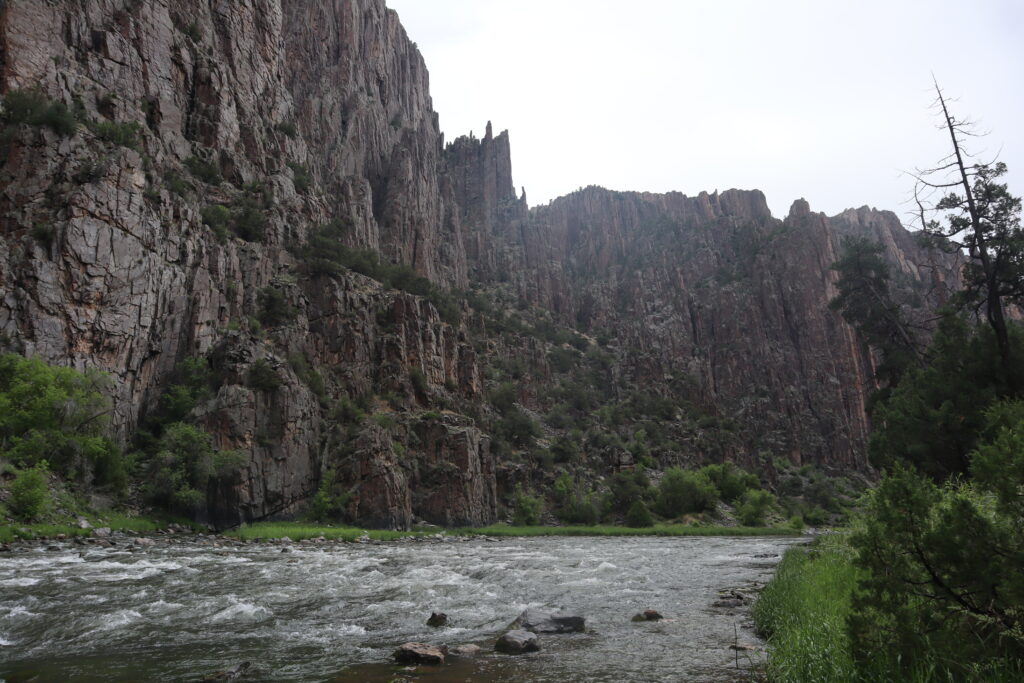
(976,215)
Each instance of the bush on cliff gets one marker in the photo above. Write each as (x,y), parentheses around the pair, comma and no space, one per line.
(30,496)
(683,491)
(185,465)
(60,415)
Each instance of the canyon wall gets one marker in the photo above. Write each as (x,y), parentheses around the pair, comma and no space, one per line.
(290,116)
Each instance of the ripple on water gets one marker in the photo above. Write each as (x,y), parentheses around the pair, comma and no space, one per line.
(310,614)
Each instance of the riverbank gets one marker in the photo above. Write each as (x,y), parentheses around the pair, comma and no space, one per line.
(803,612)
(298,531)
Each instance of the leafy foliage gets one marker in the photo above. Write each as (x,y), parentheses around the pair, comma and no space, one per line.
(30,496)
(34,108)
(684,491)
(263,377)
(59,415)
(638,515)
(526,509)
(185,465)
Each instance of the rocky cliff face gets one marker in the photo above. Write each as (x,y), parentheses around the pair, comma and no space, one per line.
(215,137)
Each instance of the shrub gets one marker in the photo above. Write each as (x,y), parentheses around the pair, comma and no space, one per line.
(730,480)
(263,377)
(638,515)
(305,371)
(419,381)
(44,233)
(625,488)
(205,171)
(217,217)
(34,108)
(753,507)
(30,496)
(682,491)
(57,414)
(185,465)
(288,128)
(121,134)
(192,31)
(517,428)
(526,509)
(301,177)
(248,220)
(330,500)
(273,307)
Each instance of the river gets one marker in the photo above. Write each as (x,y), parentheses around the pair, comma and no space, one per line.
(182,609)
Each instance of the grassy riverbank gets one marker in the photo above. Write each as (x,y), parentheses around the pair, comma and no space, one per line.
(112,521)
(298,531)
(803,613)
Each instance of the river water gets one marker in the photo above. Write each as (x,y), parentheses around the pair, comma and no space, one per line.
(180,610)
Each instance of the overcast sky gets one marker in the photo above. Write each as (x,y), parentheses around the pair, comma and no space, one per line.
(823,100)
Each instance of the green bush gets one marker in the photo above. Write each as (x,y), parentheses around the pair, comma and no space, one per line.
(753,507)
(300,176)
(683,491)
(263,377)
(217,217)
(625,488)
(184,466)
(419,381)
(730,480)
(517,428)
(60,415)
(638,515)
(573,505)
(30,496)
(121,134)
(274,310)
(248,220)
(34,108)
(205,171)
(330,500)
(526,509)
(288,128)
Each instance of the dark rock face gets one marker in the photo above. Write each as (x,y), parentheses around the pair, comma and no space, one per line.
(517,642)
(437,619)
(549,621)
(318,112)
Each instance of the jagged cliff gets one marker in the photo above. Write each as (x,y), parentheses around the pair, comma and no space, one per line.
(216,138)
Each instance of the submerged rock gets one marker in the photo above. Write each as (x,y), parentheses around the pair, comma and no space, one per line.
(420,653)
(229,674)
(648,615)
(549,621)
(437,619)
(517,642)
(468,650)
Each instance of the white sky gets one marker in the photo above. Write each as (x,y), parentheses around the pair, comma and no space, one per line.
(822,99)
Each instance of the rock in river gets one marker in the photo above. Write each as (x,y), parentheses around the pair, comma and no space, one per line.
(549,621)
(517,642)
(420,653)
(437,619)
(648,615)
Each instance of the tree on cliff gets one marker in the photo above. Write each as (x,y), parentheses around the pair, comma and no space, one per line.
(866,302)
(975,214)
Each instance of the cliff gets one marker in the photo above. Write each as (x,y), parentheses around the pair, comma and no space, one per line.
(215,139)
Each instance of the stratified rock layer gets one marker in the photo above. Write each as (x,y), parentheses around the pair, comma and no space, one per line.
(293,115)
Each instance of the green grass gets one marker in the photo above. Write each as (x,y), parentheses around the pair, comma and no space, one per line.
(606,530)
(803,612)
(298,531)
(113,521)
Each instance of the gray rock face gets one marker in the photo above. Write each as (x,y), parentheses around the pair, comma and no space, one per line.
(549,621)
(517,642)
(318,112)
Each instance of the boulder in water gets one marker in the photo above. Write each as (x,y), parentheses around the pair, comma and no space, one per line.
(517,642)
(420,653)
(648,615)
(464,651)
(437,619)
(549,621)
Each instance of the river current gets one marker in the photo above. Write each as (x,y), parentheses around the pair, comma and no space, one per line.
(181,610)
